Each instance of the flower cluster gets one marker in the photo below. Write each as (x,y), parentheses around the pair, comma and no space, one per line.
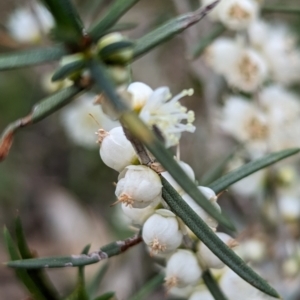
(139,188)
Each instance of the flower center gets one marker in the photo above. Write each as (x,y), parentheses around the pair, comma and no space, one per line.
(256,129)
(237,12)
(247,68)
(101,134)
(157,247)
(171,282)
(126,199)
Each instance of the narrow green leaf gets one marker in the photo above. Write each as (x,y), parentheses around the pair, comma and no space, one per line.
(20,59)
(104,83)
(107,296)
(149,287)
(141,131)
(207,40)
(68,69)
(21,274)
(54,102)
(216,171)
(230,178)
(69,26)
(94,285)
(116,11)
(213,286)
(280,9)
(105,252)
(38,277)
(121,27)
(56,262)
(169,30)
(212,241)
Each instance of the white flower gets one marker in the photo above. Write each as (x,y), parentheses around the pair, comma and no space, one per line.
(208,257)
(182,269)
(168,114)
(247,123)
(187,169)
(161,232)
(78,123)
(115,150)
(279,48)
(211,196)
(138,186)
(221,54)
(234,287)
(252,249)
(24,24)
(138,215)
(237,14)
(248,72)
(140,93)
(289,207)
(201,295)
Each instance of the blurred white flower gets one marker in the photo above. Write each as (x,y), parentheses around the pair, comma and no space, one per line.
(25,23)
(252,249)
(80,126)
(138,216)
(279,48)
(168,114)
(221,54)
(182,269)
(247,123)
(248,71)
(161,232)
(289,207)
(237,14)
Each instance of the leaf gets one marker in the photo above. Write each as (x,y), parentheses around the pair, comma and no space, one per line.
(105,252)
(68,69)
(207,40)
(116,11)
(80,292)
(20,59)
(94,285)
(106,296)
(213,286)
(141,131)
(212,241)
(169,30)
(149,287)
(216,170)
(230,178)
(38,277)
(121,27)
(40,111)
(69,27)
(21,274)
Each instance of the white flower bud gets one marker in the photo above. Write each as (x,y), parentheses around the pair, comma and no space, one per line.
(208,257)
(187,169)
(182,269)
(201,294)
(238,14)
(115,150)
(138,187)
(211,196)
(138,215)
(161,232)
(140,93)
